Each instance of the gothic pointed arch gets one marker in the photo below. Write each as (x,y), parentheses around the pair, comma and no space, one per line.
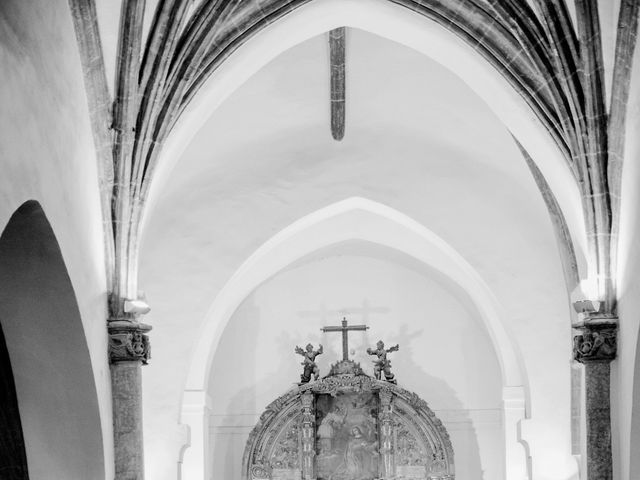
(55,391)
(363,219)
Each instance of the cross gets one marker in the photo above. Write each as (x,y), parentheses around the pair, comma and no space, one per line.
(345,340)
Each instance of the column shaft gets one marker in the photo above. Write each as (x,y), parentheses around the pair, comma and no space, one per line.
(126,385)
(598,416)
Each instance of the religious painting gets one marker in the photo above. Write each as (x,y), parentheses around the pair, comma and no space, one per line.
(347,445)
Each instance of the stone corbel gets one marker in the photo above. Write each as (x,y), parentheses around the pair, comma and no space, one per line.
(128,342)
(597,341)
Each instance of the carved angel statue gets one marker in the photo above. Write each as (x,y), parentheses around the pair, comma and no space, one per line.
(309,363)
(382,364)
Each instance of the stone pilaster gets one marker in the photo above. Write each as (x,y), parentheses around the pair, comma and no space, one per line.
(308,436)
(128,350)
(595,347)
(386,434)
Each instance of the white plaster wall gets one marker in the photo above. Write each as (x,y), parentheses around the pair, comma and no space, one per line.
(625,369)
(419,141)
(446,355)
(47,154)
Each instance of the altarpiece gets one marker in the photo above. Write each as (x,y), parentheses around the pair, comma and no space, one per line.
(348,426)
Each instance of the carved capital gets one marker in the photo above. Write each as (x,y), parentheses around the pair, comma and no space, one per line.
(597,341)
(128,342)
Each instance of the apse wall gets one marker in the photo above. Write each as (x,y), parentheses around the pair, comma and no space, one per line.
(445,354)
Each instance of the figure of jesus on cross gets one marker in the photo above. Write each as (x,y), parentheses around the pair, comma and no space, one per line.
(344,328)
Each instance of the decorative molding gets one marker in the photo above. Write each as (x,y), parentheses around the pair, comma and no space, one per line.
(128,342)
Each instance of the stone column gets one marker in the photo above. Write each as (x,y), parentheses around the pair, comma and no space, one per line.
(595,347)
(128,350)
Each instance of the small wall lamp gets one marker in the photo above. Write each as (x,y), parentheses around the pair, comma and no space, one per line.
(137,307)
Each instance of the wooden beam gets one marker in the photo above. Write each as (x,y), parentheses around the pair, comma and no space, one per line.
(338,81)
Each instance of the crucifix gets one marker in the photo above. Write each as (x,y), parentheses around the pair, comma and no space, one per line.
(344,328)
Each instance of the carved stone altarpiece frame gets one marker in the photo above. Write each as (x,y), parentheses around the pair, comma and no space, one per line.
(348,426)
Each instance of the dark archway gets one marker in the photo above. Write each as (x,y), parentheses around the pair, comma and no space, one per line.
(13,459)
(55,392)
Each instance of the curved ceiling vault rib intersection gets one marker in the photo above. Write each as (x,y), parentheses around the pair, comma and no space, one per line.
(170,152)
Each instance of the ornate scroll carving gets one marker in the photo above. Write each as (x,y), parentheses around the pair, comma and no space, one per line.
(438,463)
(286,455)
(128,342)
(597,342)
(409,451)
(260,470)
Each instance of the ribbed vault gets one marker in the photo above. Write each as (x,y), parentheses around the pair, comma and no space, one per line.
(552,61)
(535,47)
